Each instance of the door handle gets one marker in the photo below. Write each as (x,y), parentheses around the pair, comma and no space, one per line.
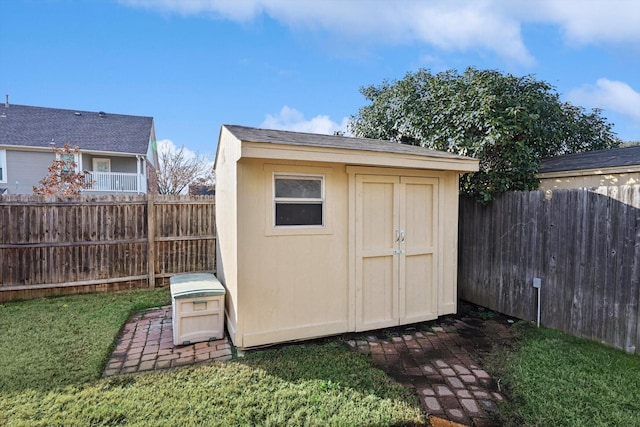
(401,236)
(397,236)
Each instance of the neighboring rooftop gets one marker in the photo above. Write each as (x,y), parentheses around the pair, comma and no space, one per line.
(616,157)
(249,134)
(27,126)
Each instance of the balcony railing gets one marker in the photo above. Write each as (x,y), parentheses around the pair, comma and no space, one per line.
(119,182)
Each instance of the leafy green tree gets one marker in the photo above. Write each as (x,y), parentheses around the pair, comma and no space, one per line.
(508,123)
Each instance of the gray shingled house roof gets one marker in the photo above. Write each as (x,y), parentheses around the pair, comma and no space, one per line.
(22,125)
(616,157)
(249,134)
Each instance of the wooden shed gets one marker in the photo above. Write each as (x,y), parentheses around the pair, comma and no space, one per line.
(321,235)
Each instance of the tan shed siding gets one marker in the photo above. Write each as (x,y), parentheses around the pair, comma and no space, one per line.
(447,290)
(293,285)
(290,283)
(357,157)
(447,230)
(582,179)
(227,226)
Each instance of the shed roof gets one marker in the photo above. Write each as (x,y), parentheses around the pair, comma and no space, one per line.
(27,126)
(345,144)
(616,157)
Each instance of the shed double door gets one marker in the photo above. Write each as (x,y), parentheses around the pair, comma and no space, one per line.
(396,239)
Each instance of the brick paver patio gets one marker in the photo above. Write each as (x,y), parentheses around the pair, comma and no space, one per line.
(441,360)
(443,364)
(146,343)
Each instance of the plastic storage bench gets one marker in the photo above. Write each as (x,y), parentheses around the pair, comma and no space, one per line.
(198,308)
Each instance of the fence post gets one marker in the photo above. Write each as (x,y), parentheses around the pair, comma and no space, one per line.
(151,240)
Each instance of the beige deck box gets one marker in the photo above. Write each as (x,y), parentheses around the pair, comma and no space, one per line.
(198,308)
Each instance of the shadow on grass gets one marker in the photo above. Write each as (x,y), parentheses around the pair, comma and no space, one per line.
(308,384)
(329,362)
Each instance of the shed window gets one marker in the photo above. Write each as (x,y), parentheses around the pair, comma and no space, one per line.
(299,200)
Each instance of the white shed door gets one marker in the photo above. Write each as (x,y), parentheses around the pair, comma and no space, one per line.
(396,235)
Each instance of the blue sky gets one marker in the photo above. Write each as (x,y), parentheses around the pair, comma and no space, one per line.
(293,64)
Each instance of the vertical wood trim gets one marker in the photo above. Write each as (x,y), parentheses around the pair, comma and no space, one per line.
(151,244)
(351,233)
(399,278)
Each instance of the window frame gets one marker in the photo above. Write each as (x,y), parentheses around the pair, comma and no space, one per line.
(269,171)
(3,166)
(97,160)
(299,200)
(76,160)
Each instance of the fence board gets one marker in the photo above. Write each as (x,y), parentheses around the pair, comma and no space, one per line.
(98,243)
(585,246)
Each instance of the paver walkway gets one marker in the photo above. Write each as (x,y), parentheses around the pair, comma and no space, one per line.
(146,343)
(441,359)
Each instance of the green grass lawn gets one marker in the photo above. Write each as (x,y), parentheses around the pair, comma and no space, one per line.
(52,342)
(52,352)
(554,379)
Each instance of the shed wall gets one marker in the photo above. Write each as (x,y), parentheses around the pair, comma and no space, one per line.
(227,183)
(293,283)
(297,284)
(447,229)
(290,283)
(448,288)
(587,180)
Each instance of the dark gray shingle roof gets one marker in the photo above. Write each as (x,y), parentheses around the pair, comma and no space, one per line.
(616,157)
(28,126)
(249,134)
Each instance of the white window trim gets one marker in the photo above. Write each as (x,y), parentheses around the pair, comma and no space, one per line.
(270,171)
(3,165)
(77,158)
(95,162)
(321,199)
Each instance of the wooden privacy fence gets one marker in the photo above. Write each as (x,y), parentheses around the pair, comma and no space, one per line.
(51,245)
(583,243)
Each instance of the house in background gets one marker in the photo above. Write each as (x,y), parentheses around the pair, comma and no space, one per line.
(614,167)
(202,190)
(118,151)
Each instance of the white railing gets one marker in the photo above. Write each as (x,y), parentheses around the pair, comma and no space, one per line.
(116,182)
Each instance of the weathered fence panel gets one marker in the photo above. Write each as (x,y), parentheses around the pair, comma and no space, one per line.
(51,245)
(185,235)
(583,243)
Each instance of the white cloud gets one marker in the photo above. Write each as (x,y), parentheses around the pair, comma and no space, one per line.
(451,25)
(609,95)
(236,10)
(168,146)
(459,25)
(590,21)
(292,119)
